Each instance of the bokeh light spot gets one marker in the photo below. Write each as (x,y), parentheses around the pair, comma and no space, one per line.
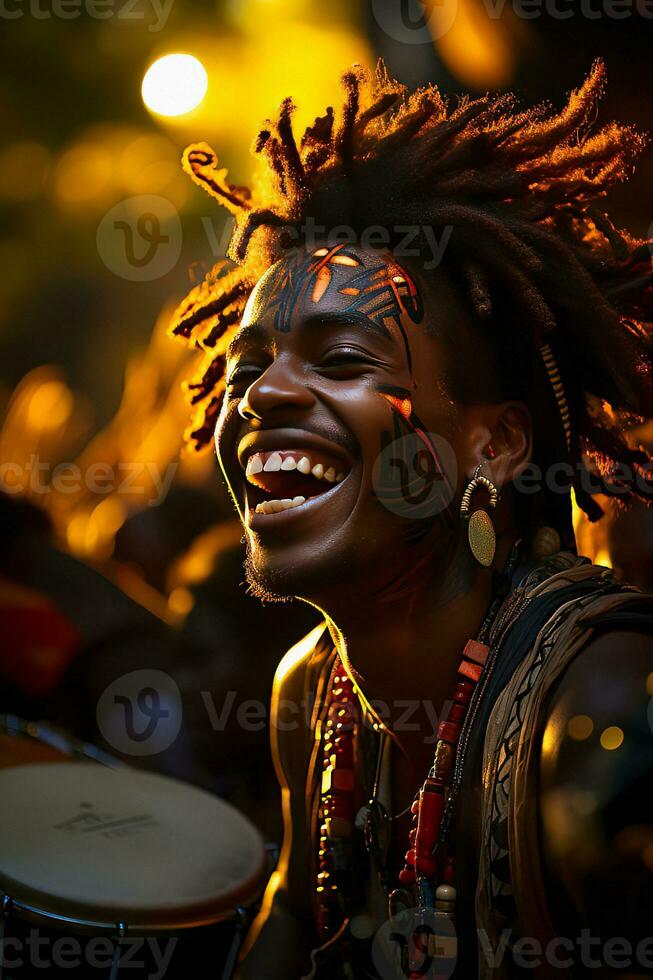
(580,727)
(84,174)
(612,738)
(181,601)
(50,406)
(174,84)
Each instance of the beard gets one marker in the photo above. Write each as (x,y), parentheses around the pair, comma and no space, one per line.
(266,586)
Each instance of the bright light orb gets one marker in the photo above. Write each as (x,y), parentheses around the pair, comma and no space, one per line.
(174,84)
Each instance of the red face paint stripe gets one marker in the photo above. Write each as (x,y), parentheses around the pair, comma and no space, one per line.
(402,405)
(405,408)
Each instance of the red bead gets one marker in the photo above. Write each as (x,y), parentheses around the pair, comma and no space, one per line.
(463,691)
(407,876)
(449,731)
(341,807)
(471,670)
(342,693)
(337,780)
(476,651)
(456,712)
(428,828)
(343,756)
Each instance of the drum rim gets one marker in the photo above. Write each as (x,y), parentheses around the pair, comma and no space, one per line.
(14,726)
(244,897)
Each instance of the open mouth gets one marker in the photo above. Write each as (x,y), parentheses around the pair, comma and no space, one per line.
(284,479)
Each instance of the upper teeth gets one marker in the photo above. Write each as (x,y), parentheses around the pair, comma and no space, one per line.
(275,462)
(272,463)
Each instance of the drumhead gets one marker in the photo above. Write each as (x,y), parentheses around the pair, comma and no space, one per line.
(103,846)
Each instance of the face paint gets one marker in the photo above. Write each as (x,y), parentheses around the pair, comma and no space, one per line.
(420,472)
(323,336)
(382,292)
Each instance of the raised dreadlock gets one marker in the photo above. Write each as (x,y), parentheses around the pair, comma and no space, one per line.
(528,246)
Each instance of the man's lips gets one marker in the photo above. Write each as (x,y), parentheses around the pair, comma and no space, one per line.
(283,477)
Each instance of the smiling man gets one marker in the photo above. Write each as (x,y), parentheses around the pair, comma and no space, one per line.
(463,745)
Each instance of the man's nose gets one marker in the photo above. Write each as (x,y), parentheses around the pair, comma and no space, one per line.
(277,389)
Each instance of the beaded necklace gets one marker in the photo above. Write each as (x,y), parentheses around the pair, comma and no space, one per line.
(427,880)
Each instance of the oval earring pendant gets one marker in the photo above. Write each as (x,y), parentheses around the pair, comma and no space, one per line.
(481,536)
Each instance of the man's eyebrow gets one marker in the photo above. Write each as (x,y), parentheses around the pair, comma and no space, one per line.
(255,334)
(249,336)
(327,319)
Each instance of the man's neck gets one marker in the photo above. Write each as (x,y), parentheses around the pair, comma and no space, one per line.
(404,645)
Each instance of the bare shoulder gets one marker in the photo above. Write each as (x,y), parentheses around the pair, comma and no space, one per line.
(280,938)
(293,695)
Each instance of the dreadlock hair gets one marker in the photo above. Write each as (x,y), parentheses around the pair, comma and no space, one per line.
(560,294)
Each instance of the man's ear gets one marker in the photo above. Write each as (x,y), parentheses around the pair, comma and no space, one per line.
(502,436)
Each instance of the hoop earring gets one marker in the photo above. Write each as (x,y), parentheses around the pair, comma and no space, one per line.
(480,529)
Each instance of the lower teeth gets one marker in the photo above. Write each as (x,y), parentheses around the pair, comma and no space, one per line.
(274,506)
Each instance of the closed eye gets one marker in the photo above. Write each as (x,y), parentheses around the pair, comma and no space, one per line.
(346,360)
(243,376)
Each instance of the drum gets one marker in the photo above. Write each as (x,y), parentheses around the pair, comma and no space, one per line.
(110,872)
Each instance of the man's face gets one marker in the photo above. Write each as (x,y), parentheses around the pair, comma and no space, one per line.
(336,436)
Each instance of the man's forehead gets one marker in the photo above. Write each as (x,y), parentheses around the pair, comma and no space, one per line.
(332,278)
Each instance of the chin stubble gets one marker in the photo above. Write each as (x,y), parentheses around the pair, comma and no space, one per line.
(266,588)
